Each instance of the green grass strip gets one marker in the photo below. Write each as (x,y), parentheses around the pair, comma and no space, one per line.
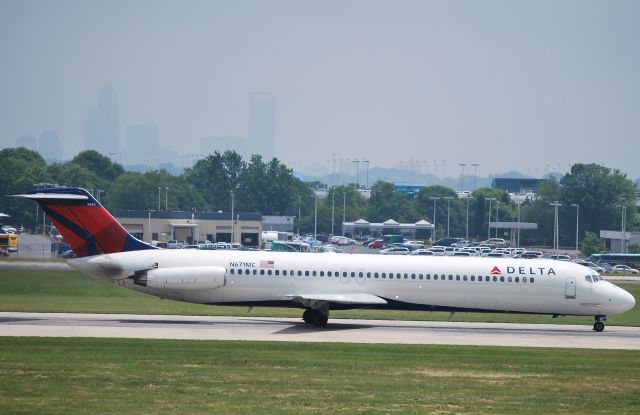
(116,376)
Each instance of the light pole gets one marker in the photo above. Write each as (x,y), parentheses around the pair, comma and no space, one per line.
(466,237)
(623,247)
(344,209)
(489,225)
(435,199)
(333,208)
(166,198)
(315,220)
(462,177)
(497,215)
(367,161)
(519,202)
(475,175)
(357,174)
(448,199)
(577,223)
(232,207)
(159,197)
(556,229)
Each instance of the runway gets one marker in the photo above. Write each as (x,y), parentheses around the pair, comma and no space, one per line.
(292,329)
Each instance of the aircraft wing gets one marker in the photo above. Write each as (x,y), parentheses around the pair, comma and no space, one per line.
(350,298)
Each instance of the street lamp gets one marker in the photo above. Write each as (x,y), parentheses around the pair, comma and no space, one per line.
(556,229)
(357,175)
(159,197)
(462,177)
(577,223)
(467,233)
(623,246)
(448,199)
(489,225)
(367,161)
(519,202)
(434,215)
(166,198)
(315,221)
(497,215)
(232,207)
(475,175)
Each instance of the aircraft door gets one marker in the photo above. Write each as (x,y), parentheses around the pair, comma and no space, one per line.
(570,287)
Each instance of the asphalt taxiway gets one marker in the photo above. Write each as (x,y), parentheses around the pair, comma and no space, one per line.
(338,330)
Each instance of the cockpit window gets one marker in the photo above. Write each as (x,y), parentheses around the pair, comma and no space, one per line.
(588,278)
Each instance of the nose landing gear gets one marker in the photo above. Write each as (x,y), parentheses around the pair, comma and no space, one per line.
(599,325)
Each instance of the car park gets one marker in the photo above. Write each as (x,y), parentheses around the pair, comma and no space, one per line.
(624,269)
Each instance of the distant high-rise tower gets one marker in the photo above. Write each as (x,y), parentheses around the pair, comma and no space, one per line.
(49,146)
(102,125)
(27,141)
(262,125)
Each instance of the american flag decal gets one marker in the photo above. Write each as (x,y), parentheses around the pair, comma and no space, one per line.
(266,264)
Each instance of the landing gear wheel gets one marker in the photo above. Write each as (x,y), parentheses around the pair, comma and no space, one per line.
(598,326)
(315,317)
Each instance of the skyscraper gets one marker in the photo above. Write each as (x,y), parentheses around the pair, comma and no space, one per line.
(49,146)
(262,125)
(102,125)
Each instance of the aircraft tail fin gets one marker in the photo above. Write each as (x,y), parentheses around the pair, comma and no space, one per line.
(83,222)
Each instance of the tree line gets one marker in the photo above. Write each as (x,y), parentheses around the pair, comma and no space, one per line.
(270,187)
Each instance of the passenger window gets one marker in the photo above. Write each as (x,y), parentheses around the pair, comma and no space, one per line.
(384,275)
(473,278)
(255,272)
(509,279)
(457,277)
(464,277)
(531,280)
(353,274)
(450,277)
(328,273)
(375,275)
(360,274)
(524,279)
(306,273)
(413,276)
(314,273)
(277,272)
(495,279)
(428,276)
(368,275)
(322,273)
(517,279)
(284,272)
(501,279)
(269,272)
(406,276)
(232,271)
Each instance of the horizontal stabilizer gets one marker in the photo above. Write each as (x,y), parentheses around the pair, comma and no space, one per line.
(352,298)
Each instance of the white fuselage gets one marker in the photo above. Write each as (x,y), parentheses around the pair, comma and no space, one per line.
(420,282)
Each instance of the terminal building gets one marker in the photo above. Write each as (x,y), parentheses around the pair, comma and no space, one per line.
(163,226)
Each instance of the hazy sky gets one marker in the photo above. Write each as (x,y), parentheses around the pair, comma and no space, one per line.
(507,84)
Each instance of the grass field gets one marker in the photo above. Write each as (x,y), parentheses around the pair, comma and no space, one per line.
(89,376)
(71,291)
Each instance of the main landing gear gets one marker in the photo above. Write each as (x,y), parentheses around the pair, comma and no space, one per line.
(599,325)
(315,317)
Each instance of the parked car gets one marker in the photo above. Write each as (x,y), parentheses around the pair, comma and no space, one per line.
(530,255)
(591,265)
(447,241)
(560,257)
(377,244)
(68,254)
(172,244)
(422,252)
(625,269)
(396,250)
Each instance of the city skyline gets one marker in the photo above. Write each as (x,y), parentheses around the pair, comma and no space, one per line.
(532,87)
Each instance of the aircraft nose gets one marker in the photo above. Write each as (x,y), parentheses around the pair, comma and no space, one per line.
(627,301)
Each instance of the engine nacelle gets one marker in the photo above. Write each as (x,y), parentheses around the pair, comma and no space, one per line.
(183,278)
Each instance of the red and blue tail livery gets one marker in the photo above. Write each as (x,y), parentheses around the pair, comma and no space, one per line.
(85,224)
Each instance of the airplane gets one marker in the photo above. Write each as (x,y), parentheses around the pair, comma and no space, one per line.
(318,282)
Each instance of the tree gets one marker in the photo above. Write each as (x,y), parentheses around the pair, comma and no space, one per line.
(20,170)
(591,244)
(385,203)
(215,177)
(600,191)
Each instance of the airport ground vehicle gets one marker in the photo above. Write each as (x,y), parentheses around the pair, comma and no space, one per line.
(317,283)
(8,242)
(624,269)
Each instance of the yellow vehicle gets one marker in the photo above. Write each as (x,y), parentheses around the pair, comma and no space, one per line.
(8,242)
